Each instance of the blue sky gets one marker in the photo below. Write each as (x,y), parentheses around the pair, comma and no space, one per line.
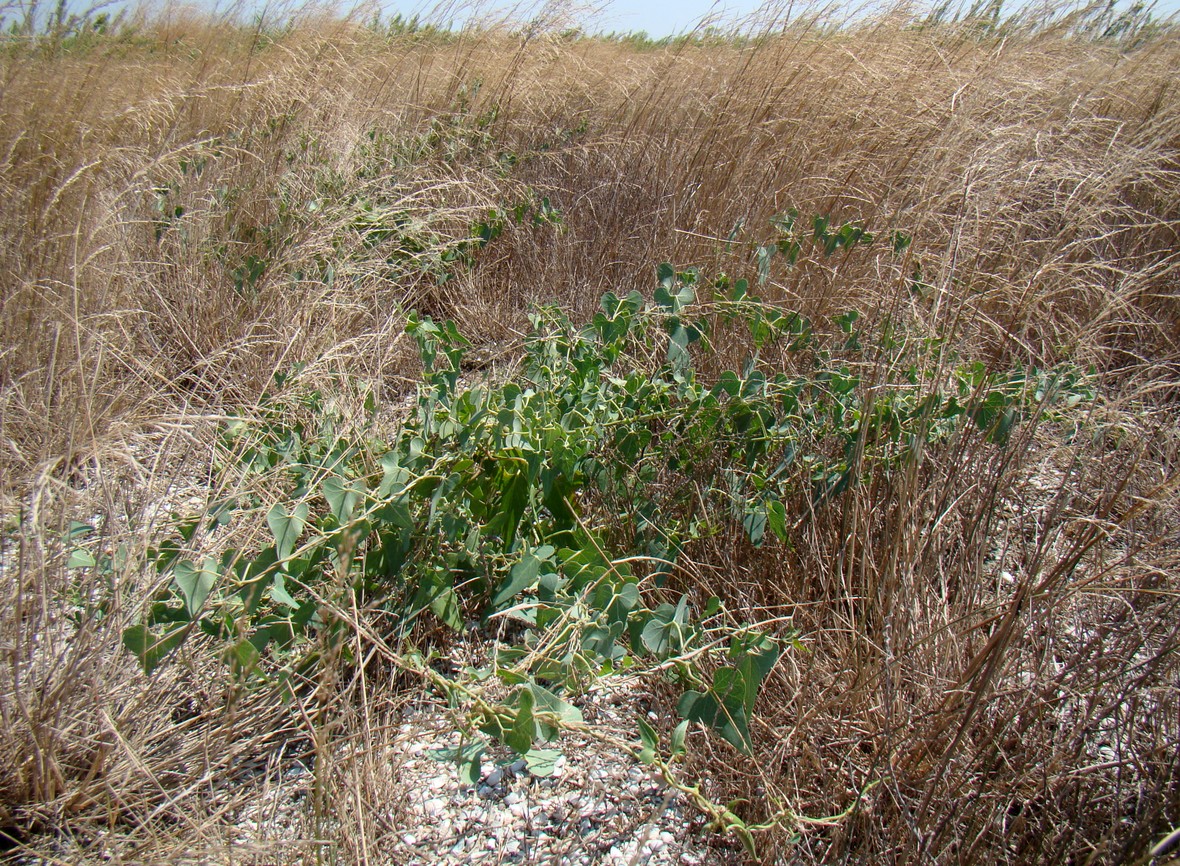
(668,17)
(657,17)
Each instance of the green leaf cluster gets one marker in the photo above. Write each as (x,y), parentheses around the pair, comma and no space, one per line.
(561,502)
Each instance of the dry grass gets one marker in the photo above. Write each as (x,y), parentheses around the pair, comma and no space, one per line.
(994,638)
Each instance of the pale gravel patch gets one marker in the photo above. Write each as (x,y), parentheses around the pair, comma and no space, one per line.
(599,807)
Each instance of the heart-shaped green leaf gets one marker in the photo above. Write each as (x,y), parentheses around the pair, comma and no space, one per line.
(195,582)
(149,649)
(342,496)
(520,737)
(287,526)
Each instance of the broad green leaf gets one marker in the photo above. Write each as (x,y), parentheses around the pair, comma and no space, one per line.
(743,833)
(785,221)
(728,719)
(162,613)
(631,443)
(820,228)
(80,558)
(514,500)
(541,762)
(679,735)
(624,599)
(754,522)
(467,759)
(754,385)
(493,725)
(650,742)
(149,649)
(728,384)
(220,512)
(610,304)
(757,655)
(243,657)
(764,255)
(846,321)
(776,519)
(195,583)
(654,636)
(733,686)
(394,476)
(666,274)
(342,496)
(78,530)
(254,577)
(279,594)
(520,737)
(546,702)
(188,528)
(469,770)
(678,340)
(1001,430)
(666,296)
(727,705)
(663,633)
(522,576)
(417,447)
(602,641)
(445,605)
(790,249)
(287,526)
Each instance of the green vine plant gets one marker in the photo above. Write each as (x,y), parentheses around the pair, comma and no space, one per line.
(553,510)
